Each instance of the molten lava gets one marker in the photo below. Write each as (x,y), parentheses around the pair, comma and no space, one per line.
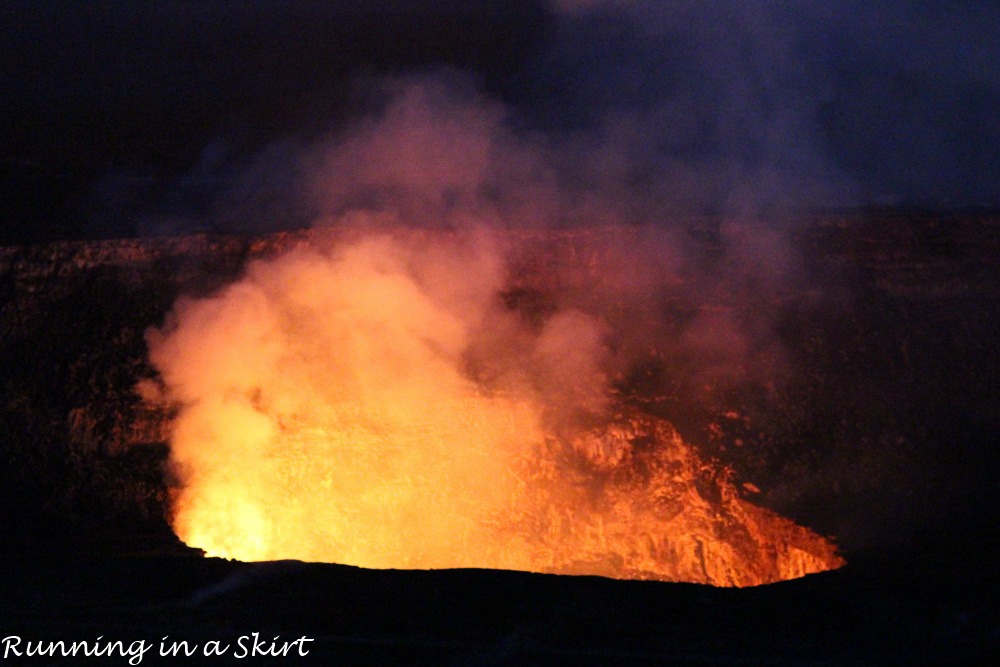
(379,403)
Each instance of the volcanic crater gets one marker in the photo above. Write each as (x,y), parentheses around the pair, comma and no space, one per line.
(846,427)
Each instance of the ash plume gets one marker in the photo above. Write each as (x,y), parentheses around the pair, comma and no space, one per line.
(633,113)
(387,399)
(405,331)
(728,104)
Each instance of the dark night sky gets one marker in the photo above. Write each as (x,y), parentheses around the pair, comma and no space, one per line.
(116,109)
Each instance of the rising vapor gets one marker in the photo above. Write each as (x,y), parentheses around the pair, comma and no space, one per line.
(392,395)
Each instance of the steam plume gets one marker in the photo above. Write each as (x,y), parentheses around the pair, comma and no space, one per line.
(362,350)
(398,365)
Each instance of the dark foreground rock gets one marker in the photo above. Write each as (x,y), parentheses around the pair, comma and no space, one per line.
(867,613)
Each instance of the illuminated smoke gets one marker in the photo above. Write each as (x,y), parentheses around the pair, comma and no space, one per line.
(338,375)
(392,396)
(377,399)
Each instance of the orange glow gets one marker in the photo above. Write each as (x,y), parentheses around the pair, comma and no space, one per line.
(376,403)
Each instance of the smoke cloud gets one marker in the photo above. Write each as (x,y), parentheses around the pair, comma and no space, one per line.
(634,114)
(386,369)
(402,364)
(726,104)
(647,111)
(409,323)
(778,104)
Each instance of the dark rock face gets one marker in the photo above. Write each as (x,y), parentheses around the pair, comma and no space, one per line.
(80,450)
